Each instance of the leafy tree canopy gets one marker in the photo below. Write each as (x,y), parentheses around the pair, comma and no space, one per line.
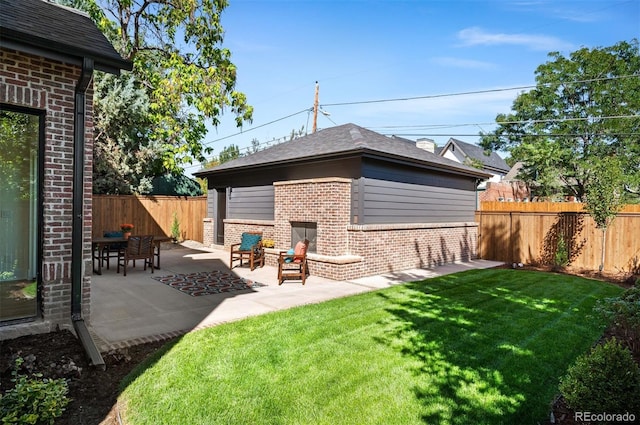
(125,157)
(182,77)
(229,153)
(583,108)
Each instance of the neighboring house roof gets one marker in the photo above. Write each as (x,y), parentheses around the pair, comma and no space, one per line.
(514,171)
(492,162)
(56,32)
(344,140)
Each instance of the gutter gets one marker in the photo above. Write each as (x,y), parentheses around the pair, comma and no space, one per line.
(77,234)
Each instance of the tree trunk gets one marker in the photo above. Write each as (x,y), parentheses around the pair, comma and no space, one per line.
(604,241)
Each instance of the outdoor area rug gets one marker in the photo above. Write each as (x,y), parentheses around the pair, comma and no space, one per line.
(207,283)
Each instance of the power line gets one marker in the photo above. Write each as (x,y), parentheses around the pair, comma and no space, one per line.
(524,135)
(551,120)
(434,96)
(256,127)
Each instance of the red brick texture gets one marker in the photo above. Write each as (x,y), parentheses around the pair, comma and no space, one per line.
(345,251)
(506,191)
(47,85)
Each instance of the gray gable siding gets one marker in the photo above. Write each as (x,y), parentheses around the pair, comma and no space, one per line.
(394,193)
(400,173)
(385,202)
(253,203)
(211,203)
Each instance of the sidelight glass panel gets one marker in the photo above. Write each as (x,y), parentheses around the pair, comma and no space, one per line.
(19,182)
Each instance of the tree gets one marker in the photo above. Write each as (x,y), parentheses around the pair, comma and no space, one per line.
(255,146)
(179,62)
(583,108)
(229,153)
(605,195)
(125,157)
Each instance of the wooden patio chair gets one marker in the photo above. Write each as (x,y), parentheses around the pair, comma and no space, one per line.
(112,250)
(293,265)
(138,248)
(250,248)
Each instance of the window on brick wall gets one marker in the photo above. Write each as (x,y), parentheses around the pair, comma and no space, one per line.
(301,230)
(20,178)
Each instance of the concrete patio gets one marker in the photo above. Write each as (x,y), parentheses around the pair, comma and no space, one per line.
(136,308)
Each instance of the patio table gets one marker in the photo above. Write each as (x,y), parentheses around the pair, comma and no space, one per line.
(98,243)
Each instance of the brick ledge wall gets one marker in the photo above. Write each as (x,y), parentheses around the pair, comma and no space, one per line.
(379,249)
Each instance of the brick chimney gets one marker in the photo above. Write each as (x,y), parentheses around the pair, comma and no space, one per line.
(427,144)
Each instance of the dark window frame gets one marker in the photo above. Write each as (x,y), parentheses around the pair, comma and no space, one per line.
(41,116)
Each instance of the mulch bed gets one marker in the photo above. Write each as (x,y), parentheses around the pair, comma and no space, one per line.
(93,392)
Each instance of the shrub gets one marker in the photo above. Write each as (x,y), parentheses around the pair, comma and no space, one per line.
(561,257)
(624,314)
(175,227)
(605,380)
(33,400)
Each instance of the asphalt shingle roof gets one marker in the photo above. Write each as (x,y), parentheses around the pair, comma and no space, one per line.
(477,153)
(51,27)
(340,140)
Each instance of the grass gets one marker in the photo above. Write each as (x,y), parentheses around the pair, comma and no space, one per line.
(481,347)
(30,290)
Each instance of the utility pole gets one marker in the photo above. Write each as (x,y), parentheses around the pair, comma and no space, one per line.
(315,109)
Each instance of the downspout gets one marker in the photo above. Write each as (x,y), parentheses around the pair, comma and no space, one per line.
(77,244)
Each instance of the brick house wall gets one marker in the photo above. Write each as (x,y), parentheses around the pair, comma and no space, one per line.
(392,248)
(47,85)
(345,251)
(506,191)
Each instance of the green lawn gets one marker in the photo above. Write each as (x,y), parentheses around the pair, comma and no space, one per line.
(479,347)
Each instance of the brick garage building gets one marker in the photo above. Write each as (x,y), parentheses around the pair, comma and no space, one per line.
(48,54)
(368,203)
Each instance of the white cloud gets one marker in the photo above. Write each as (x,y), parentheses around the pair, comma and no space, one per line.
(463,63)
(476,36)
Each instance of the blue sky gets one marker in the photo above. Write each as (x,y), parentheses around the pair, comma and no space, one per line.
(361,51)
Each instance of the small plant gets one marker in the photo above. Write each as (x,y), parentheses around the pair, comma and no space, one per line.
(175,227)
(605,380)
(126,227)
(561,257)
(33,400)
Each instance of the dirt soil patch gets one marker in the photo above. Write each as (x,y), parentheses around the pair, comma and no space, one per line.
(94,392)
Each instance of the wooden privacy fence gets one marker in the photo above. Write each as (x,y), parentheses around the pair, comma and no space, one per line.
(530,233)
(152,215)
